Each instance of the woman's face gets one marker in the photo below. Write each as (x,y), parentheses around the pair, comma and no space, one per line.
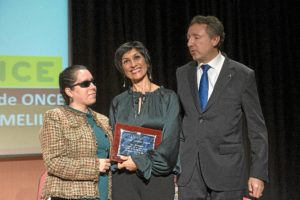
(134,65)
(83,91)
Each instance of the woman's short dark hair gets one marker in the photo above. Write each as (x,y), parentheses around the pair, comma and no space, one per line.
(214,26)
(67,78)
(124,48)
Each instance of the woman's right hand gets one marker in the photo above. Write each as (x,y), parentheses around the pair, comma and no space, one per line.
(104,165)
(127,163)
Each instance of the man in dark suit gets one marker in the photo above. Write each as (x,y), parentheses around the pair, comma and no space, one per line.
(213,155)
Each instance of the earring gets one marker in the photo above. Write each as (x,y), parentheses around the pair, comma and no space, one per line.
(124,83)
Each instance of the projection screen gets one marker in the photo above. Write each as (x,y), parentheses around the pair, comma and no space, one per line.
(33,51)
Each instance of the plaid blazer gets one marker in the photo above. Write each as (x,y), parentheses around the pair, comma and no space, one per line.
(69,151)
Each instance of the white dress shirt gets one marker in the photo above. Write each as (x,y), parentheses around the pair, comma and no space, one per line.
(213,72)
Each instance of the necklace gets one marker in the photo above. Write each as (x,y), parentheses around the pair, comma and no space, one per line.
(142,90)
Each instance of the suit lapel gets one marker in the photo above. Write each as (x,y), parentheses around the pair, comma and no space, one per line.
(226,74)
(192,80)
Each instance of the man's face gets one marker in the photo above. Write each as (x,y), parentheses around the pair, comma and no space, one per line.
(202,47)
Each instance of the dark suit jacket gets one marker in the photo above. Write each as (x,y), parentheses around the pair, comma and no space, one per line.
(216,134)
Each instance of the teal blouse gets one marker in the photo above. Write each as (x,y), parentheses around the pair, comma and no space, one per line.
(103,146)
(102,152)
(159,110)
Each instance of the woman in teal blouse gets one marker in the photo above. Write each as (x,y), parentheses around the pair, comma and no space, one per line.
(150,175)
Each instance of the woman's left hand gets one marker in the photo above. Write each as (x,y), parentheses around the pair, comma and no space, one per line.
(104,165)
(127,163)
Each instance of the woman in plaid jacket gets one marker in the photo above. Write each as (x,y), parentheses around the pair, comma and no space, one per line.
(75,142)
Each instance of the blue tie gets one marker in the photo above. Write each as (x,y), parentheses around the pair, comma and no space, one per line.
(203,87)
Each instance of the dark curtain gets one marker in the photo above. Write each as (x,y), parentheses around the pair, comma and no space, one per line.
(261,34)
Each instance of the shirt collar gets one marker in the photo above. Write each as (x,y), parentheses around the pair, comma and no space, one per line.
(215,62)
(78,111)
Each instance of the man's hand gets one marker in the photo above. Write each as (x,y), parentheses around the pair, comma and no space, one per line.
(255,187)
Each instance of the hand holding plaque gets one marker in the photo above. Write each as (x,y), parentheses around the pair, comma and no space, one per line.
(133,140)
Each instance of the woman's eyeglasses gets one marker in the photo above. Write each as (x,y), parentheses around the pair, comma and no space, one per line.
(84,84)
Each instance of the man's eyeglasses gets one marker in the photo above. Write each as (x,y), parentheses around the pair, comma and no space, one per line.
(84,84)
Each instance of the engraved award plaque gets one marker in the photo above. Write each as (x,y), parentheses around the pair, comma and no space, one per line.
(133,140)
